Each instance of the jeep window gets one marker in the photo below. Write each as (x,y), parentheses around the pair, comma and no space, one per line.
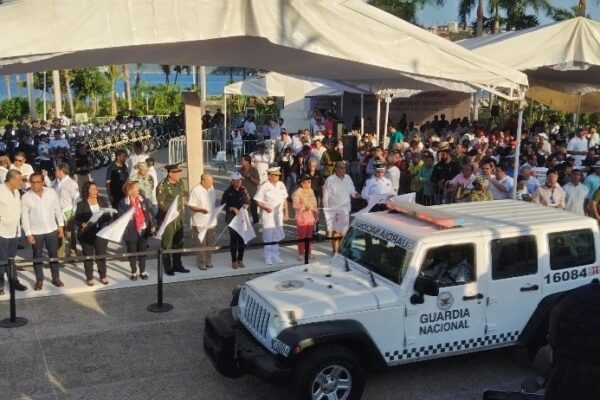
(383,257)
(450,265)
(571,248)
(516,256)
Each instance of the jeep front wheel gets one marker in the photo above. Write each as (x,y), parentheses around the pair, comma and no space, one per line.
(328,373)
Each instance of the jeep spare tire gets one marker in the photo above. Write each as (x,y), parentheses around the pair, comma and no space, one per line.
(324,373)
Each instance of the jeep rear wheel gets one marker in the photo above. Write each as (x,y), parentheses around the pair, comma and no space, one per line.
(331,373)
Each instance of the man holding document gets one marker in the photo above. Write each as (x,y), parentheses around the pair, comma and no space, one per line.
(202,204)
(271,198)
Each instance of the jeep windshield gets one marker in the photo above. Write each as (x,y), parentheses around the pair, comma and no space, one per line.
(384,257)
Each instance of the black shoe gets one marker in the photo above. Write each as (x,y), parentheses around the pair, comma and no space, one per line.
(208,266)
(182,270)
(144,276)
(20,287)
(170,273)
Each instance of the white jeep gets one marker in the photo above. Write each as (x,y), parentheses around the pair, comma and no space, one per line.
(409,284)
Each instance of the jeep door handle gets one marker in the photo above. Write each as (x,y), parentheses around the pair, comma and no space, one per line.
(477,296)
(529,288)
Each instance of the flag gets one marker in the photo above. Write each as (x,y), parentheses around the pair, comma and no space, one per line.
(172,213)
(243,226)
(409,198)
(212,220)
(373,200)
(114,232)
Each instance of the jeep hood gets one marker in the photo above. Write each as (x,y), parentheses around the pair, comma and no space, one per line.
(310,293)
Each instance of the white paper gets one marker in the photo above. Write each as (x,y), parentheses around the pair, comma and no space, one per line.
(373,200)
(115,231)
(212,220)
(243,226)
(96,216)
(408,198)
(172,214)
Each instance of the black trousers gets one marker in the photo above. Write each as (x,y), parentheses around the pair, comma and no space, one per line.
(134,247)
(236,246)
(254,211)
(98,249)
(50,242)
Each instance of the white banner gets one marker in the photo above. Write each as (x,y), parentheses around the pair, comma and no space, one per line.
(243,226)
(212,221)
(172,214)
(114,232)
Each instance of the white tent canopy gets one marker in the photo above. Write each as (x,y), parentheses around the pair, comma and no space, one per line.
(301,37)
(273,84)
(562,61)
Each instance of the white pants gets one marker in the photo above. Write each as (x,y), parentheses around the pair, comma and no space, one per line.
(272,235)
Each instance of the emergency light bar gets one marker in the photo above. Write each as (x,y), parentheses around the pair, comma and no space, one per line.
(438,218)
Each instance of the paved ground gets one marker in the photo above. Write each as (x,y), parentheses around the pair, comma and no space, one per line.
(84,343)
(105,345)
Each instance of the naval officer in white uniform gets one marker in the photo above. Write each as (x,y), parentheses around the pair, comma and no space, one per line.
(378,187)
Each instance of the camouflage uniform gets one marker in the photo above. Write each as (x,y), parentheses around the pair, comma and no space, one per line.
(172,238)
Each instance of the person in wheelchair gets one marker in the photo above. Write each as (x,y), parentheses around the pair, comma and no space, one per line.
(455,269)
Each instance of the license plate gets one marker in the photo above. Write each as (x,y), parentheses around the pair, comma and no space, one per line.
(280,347)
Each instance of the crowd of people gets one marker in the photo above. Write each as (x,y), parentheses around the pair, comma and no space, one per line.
(52,205)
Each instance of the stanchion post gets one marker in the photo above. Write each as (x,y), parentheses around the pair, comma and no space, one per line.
(159,306)
(306,249)
(13,321)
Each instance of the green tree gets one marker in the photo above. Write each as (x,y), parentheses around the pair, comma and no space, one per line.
(90,83)
(166,99)
(13,109)
(113,74)
(405,9)
(166,69)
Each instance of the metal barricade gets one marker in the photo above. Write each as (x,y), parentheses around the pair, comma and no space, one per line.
(177,150)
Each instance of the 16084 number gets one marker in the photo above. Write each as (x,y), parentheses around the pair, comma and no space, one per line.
(567,275)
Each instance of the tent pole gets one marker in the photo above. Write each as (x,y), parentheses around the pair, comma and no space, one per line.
(378,117)
(388,100)
(362,114)
(341,107)
(576,118)
(517,153)
(225,123)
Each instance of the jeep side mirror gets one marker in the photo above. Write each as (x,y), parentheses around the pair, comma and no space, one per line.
(426,286)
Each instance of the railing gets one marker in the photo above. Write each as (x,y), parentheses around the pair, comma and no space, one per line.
(177,150)
(160,306)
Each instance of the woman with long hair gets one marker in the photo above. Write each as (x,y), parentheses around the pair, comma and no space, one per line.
(87,228)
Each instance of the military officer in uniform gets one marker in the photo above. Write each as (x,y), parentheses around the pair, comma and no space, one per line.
(378,187)
(172,238)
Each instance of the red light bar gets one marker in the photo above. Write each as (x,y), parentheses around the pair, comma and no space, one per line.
(427,214)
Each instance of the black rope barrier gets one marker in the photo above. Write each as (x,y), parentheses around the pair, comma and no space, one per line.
(160,306)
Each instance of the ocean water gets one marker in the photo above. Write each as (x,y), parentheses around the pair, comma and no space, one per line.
(214,84)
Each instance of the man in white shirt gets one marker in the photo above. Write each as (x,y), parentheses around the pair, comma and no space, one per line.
(202,203)
(594,138)
(261,160)
(500,184)
(337,192)
(43,225)
(576,193)
(68,194)
(393,174)
(25,169)
(578,147)
(531,182)
(10,226)
(64,120)
(271,198)
(137,157)
(317,153)
(378,188)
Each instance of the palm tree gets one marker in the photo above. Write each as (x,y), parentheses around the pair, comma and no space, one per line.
(7,85)
(465,7)
(127,86)
(67,77)
(581,8)
(515,12)
(138,75)
(405,9)
(166,69)
(112,73)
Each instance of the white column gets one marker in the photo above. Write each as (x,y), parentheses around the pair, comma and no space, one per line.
(44,98)
(362,114)
(378,117)
(30,99)
(193,134)
(388,100)
(203,83)
(57,92)
(517,153)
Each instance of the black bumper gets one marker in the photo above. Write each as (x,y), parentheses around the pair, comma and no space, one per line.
(234,352)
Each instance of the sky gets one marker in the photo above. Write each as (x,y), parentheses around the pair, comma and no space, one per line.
(432,15)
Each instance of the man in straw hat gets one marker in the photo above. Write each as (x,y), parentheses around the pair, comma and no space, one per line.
(272,201)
